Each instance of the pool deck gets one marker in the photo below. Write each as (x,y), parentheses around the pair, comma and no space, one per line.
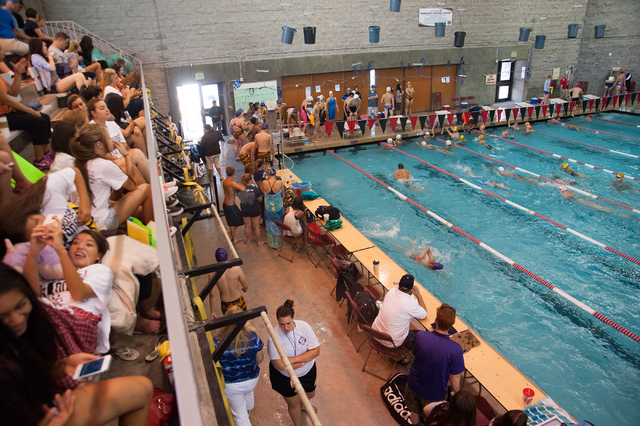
(376,135)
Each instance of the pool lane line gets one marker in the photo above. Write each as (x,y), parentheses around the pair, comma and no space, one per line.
(617,122)
(571,188)
(591,146)
(519,207)
(600,131)
(500,255)
(555,155)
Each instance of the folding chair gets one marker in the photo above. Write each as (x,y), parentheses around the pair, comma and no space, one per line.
(372,335)
(355,316)
(318,240)
(296,242)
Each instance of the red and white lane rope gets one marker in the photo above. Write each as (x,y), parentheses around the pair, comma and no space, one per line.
(556,155)
(600,131)
(571,188)
(617,122)
(591,146)
(499,255)
(524,209)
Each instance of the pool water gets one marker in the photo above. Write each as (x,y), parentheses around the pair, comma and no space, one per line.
(590,369)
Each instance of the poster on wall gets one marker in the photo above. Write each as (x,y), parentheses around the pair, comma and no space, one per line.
(491,79)
(429,17)
(556,73)
(337,88)
(266,92)
(446,79)
(307,92)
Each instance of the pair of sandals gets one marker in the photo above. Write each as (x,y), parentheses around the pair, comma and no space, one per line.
(128,354)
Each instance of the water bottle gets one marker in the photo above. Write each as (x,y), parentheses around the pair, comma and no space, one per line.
(100,224)
(395,281)
(290,179)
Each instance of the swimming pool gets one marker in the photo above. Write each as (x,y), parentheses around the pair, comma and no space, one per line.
(589,368)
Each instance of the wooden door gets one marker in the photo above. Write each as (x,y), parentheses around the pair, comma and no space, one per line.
(421,81)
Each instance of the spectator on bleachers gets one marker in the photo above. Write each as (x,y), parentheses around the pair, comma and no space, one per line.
(136,105)
(94,71)
(461,411)
(9,32)
(510,418)
(31,27)
(16,14)
(21,117)
(59,45)
(86,46)
(90,150)
(43,61)
(120,153)
(78,117)
(119,69)
(30,368)
(92,92)
(76,102)
(63,133)
(110,83)
(133,130)
(10,172)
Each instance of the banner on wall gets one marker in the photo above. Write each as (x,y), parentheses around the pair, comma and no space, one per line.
(429,17)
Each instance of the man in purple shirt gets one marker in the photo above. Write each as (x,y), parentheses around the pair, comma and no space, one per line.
(437,360)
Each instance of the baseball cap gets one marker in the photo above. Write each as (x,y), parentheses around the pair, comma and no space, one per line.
(406,282)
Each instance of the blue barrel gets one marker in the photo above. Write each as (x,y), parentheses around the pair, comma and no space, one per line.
(395,5)
(573,31)
(599,31)
(440,26)
(374,34)
(287,34)
(540,41)
(524,34)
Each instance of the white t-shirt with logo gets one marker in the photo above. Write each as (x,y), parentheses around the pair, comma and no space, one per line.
(396,313)
(104,176)
(299,341)
(115,133)
(100,278)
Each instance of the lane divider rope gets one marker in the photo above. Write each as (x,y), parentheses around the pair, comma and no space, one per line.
(618,122)
(555,155)
(571,188)
(550,286)
(591,146)
(600,131)
(524,209)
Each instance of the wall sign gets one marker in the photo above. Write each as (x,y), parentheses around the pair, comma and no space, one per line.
(199,76)
(429,17)
(491,79)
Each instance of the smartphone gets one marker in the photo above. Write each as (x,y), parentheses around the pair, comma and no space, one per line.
(51,218)
(91,368)
(127,115)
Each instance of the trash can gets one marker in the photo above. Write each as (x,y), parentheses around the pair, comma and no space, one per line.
(395,5)
(309,35)
(287,34)
(599,31)
(440,29)
(524,34)
(459,38)
(374,34)
(540,41)
(573,31)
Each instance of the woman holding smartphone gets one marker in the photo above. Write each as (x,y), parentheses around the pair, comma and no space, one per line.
(29,370)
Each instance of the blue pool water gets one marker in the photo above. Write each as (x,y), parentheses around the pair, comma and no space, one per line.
(589,368)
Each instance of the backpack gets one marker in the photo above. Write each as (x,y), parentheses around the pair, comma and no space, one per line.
(63,70)
(332,225)
(289,196)
(367,305)
(333,212)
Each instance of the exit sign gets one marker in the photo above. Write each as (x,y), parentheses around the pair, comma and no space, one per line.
(199,76)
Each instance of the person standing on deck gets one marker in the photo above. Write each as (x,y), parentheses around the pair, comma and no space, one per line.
(231,211)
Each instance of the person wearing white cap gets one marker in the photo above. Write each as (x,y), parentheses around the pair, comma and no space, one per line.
(566,193)
(320,114)
(387,103)
(398,139)
(509,173)
(332,106)
(353,103)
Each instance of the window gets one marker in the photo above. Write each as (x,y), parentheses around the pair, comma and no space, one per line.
(505,81)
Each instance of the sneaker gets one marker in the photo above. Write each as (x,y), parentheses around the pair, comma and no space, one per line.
(50,154)
(172,201)
(170,184)
(42,165)
(175,211)
(172,231)
(168,192)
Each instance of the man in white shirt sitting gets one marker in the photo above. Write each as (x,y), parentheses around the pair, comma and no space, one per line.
(60,43)
(398,309)
(120,153)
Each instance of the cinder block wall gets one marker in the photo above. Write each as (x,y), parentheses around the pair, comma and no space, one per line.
(176,38)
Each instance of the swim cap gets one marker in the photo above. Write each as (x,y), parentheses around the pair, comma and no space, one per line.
(330,92)
(481,137)
(436,266)
(389,140)
(565,165)
(455,129)
(408,83)
(424,143)
(527,124)
(356,96)
(620,175)
(279,102)
(262,104)
(448,143)
(265,126)
(388,89)
(398,136)
(221,255)
(590,116)
(482,127)
(562,188)
(295,111)
(238,112)
(461,137)
(505,133)
(321,97)
(426,133)
(501,169)
(271,171)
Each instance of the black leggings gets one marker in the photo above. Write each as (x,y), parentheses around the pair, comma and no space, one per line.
(146,286)
(38,128)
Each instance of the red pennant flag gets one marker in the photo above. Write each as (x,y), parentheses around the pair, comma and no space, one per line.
(484,116)
(393,121)
(530,111)
(515,113)
(591,104)
(615,101)
(450,119)
(414,119)
(432,120)
(499,115)
(626,98)
(544,110)
(467,116)
(352,125)
(328,125)
(571,105)
(372,121)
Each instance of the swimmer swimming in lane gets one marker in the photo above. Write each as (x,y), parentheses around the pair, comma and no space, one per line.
(486,181)
(569,170)
(482,142)
(425,258)
(509,173)
(619,184)
(566,193)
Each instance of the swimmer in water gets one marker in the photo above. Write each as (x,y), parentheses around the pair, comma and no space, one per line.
(528,128)
(425,258)
(569,170)
(486,181)
(455,135)
(589,118)
(619,184)
(436,148)
(572,127)
(570,195)
(402,173)
(482,142)
(571,182)
(554,121)
(391,142)
(509,173)
(514,126)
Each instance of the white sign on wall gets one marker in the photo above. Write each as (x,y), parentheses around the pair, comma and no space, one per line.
(429,17)
(491,79)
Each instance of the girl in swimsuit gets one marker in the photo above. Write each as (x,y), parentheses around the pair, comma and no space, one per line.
(408,102)
(608,83)
(333,107)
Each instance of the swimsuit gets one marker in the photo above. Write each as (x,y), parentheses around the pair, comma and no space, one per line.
(239,302)
(575,99)
(409,97)
(237,134)
(266,156)
(232,215)
(332,109)
(245,159)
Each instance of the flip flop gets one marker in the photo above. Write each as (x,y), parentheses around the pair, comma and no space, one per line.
(154,354)
(155,328)
(127,354)
(315,409)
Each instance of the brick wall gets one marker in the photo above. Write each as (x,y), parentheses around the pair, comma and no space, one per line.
(175,34)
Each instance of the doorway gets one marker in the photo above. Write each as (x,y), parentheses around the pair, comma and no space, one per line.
(194,101)
(505,81)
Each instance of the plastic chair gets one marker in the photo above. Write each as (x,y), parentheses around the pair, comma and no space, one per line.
(295,242)
(373,337)
(318,240)
(484,412)
(355,316)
